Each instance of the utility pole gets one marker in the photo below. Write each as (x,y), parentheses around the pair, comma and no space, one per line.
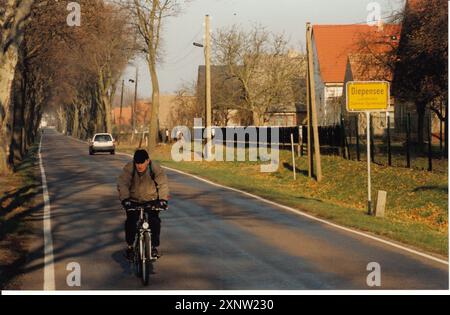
(121,110)
(312,102)
(134,107)
(121,104)
(308,115)
(208,85)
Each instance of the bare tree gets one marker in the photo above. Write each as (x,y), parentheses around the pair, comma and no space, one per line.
(262,64)
(33,81)
(104,48)
(89,65)
(79,82)
(186,107)
(421,72)
(149,17)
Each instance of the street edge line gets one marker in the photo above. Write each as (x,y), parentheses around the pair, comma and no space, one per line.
(49,267)
(301,213)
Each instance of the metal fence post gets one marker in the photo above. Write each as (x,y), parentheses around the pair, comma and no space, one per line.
(389,139)
(408,140)
(430,148)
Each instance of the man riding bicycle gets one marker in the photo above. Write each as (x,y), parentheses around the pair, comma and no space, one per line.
(143,181)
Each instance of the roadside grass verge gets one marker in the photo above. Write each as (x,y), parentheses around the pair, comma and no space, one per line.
(417,201)
(18,199)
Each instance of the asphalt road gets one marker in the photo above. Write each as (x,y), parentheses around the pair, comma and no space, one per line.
(212,238)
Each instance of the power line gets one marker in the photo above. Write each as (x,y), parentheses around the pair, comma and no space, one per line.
(177,59)
(178,67)
(382,18)
(182,58)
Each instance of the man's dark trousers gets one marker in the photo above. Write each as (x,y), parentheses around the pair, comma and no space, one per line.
(131,226)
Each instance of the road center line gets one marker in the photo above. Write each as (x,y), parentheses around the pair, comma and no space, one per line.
(49,267)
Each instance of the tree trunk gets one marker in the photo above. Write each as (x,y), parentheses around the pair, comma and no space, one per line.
(29,117)
(153,127)
(8,62)
(446,128)
(257,119)
(107,113)
(76,121)
(35,122)
(18,114)
(104,101)
(32,120)
(62,127)
(84,122)
(97,116)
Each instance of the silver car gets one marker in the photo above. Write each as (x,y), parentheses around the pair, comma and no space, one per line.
(102,142)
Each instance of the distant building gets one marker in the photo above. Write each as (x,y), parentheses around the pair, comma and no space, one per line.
(167,103)
(143,113)
(124,118)
(332,46)
(289,116)
(227,92)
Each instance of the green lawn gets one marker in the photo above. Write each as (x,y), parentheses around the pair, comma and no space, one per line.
(416,210)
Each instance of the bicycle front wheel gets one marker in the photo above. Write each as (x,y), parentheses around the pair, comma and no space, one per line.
(146,258)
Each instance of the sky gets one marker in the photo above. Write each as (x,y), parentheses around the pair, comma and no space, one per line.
(280,16)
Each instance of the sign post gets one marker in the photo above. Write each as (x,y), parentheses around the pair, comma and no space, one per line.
(368,97)
(369,180)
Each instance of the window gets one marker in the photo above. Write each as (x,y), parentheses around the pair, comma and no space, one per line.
(392,119)
(103,138)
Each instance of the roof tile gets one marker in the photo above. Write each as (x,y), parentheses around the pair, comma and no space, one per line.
(335,43)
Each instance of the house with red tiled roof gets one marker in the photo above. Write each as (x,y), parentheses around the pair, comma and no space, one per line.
(123,117)
(332,46)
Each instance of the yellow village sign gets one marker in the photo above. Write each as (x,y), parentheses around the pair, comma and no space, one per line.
(367,96)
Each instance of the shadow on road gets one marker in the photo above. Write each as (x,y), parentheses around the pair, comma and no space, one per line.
(123,263)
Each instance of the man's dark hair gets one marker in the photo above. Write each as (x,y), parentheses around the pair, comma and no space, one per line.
(140,156)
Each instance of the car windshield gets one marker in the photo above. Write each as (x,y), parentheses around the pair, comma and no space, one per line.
(103,138)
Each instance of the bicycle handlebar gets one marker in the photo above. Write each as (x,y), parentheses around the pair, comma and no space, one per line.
(152,208)
(146,206)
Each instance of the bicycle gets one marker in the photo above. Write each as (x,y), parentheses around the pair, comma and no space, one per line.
(142,242)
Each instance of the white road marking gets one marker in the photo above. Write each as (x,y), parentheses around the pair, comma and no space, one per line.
(49,267)
(301,213)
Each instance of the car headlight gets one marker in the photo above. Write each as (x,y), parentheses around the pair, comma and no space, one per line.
(145,225)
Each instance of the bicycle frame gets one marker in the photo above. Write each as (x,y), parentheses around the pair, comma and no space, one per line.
(142,242)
